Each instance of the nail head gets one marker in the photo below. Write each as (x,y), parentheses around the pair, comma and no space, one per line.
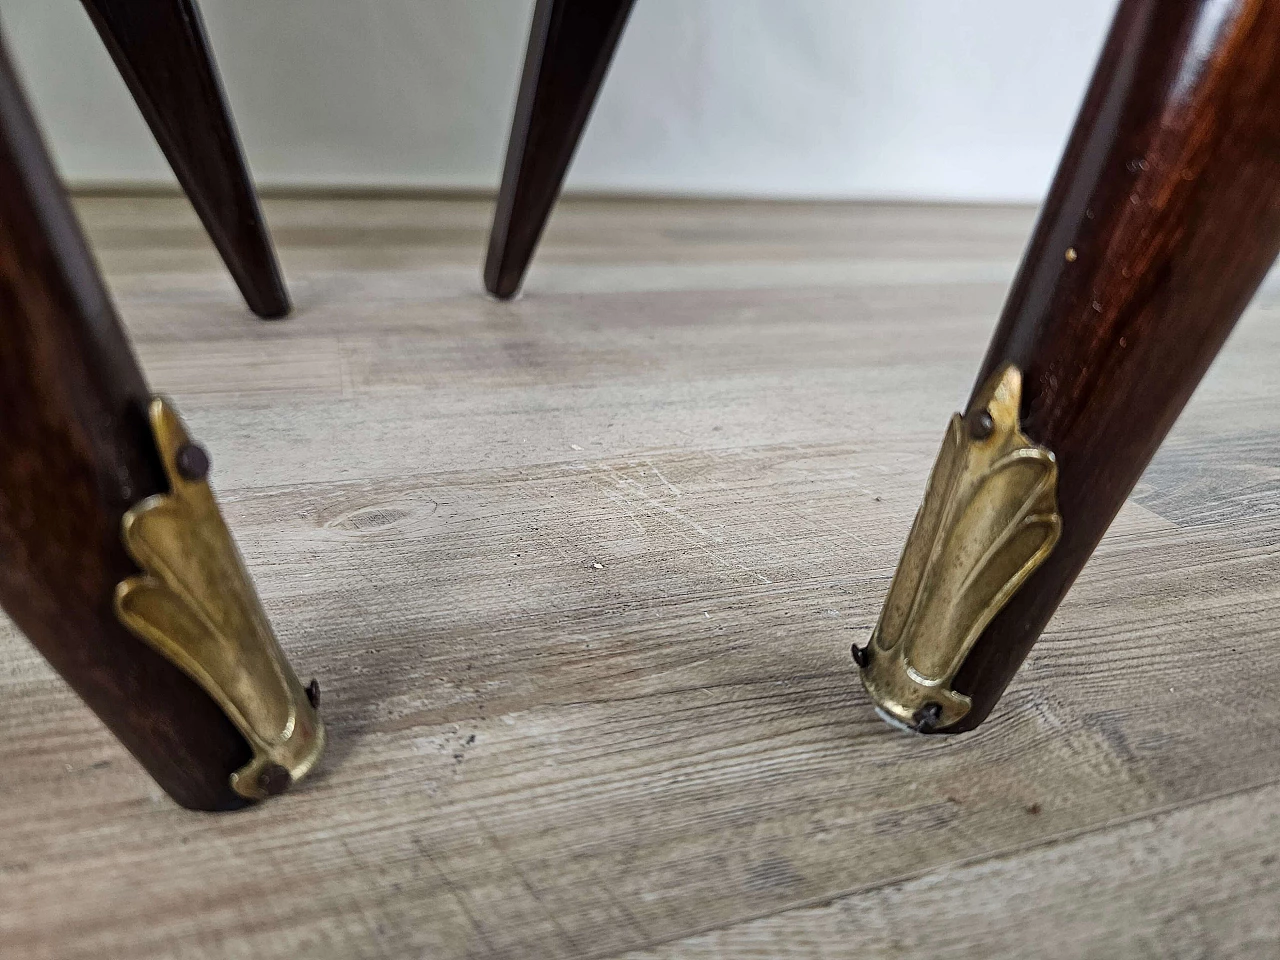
(274,780)
(192,462)
(928,716)
(981,425)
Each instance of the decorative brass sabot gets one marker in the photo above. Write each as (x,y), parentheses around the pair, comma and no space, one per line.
(989,518)
(194,602)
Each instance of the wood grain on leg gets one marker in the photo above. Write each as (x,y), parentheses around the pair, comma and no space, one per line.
(75,453)
(163,53)
(1162,221)
(571,43)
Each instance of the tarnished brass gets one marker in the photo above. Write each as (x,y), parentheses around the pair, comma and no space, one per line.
(989,518)
(194,602)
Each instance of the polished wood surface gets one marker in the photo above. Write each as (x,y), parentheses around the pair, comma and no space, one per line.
(75,453)
(571,44)
(579,574)
(163,53)
(1162,221)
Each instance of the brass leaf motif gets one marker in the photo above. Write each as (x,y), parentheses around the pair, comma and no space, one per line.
(195,604)
(988,519)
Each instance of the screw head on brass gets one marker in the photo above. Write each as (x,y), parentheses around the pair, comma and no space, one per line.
(192,462)
(927,717)
(274,780)
(981,424)
(861,655)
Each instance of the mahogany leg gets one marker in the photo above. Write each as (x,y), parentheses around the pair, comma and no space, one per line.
(163,53)
(79,451)
(571,43)
(1162,221)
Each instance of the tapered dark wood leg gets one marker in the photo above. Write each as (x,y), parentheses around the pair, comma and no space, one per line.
(75,453)
(1162,221)
(571,43)
(163,53)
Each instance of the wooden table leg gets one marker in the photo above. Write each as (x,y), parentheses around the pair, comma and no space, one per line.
(163,53)
(76,452)
(571,43)
(1163,219)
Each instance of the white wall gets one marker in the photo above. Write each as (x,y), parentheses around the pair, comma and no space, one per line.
(963,99)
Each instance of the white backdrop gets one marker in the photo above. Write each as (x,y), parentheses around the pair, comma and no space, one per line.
(949,99)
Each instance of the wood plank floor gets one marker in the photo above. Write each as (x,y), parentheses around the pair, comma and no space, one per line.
(579,574)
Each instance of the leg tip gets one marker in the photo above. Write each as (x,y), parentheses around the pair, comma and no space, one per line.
(500,290)
(271,308)
(501,281)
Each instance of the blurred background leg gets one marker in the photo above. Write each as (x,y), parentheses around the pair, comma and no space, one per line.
(571,44)
(163,53)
